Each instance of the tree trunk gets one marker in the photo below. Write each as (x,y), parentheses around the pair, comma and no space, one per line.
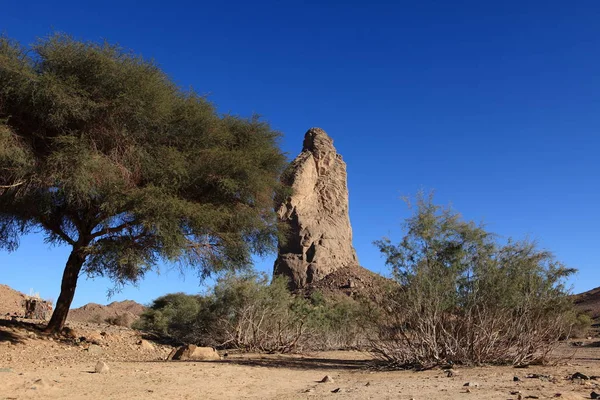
(67,290)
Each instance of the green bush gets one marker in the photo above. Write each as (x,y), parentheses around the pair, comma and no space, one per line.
(463,297)
(247,312)
(581,326)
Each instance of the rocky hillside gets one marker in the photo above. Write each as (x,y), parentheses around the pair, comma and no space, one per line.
(10,301)
(118,313)
(353,281)
(589,302)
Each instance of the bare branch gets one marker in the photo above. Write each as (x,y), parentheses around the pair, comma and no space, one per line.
(14,185)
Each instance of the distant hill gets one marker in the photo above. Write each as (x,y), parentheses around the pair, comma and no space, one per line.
(589,302)
(118,313)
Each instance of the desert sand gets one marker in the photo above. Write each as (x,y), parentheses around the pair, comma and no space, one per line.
(33,366)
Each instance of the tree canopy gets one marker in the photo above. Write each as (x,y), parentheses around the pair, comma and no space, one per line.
(101,151)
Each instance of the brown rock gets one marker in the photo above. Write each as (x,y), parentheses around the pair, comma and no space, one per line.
(319,236)
(146,345)
(95,349)
(101,367)
(192,352)
(94,337)
(70,333)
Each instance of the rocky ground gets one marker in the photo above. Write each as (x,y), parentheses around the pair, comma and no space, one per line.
(10,301)
(33,365)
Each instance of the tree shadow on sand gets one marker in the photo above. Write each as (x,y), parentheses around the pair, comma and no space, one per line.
(7,336)
(302,363)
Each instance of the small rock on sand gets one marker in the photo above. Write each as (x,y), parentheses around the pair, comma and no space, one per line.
(101,367)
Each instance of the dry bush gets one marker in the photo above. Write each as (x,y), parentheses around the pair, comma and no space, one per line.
(120,320)
(464,298)
(247,312)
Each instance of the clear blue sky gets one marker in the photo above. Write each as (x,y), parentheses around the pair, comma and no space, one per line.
(495,105)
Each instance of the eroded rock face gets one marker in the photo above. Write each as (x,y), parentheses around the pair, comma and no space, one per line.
(319,236)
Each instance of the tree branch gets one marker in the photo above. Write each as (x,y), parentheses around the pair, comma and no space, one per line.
(12,186)
(114,229)
(58,231)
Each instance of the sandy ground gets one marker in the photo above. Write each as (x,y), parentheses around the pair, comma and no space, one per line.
(33,367)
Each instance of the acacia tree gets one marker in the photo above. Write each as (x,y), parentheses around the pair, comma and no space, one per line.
(102,152)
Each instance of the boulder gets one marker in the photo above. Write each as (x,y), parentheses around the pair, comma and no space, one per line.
(101,367)
(94,349)
(146,345)
(94,338)
(318,236)
(192,352)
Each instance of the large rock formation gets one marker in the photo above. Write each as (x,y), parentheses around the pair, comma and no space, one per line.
(319,235)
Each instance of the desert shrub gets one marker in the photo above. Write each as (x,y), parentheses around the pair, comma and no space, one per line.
(253,315)
(120,320)
(174,315)
(338,322)
(242,311)
(464,298)
(581,325)
(247,312)
(96,319)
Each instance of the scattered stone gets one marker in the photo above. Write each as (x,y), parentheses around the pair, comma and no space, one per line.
(41,383)
(309,390)
(539,376)
(101,367)
(93,337)
(577,344)
(516,379)
(319,235)
(338,390)
(327,379)
(579,375)
(515,392)
(192,352)
(94,349)
(532,397)
(472,384)
(69,333)
(368,384)
(146,345)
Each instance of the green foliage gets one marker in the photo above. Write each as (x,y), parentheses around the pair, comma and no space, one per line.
(581,325)
(120,320)
(172,315)
(102,151)
(463,297)
(249,313)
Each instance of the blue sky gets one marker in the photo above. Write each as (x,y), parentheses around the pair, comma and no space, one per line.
(494,105)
